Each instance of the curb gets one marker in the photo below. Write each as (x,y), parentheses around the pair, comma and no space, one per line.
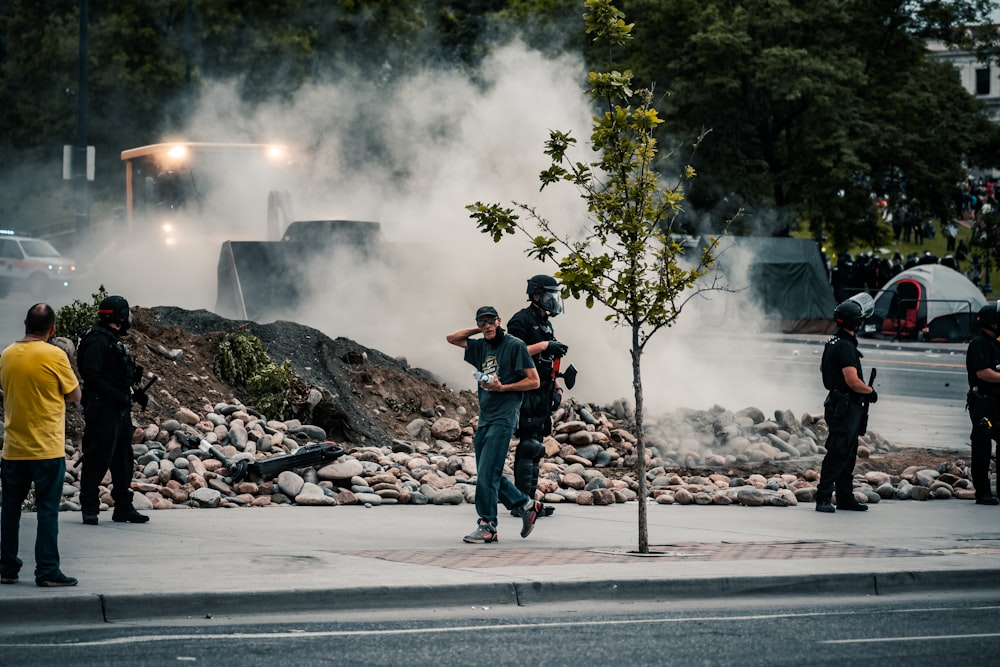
(111,608)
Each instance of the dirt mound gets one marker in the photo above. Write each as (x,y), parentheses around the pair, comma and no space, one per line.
(368,397)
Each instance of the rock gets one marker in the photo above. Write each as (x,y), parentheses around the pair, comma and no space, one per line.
(342,468)
(452,496)
(290,483)
(446,429)
(312,494)
(186,416)
(206,497)
(750,497)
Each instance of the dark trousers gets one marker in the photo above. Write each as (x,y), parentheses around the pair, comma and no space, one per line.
(837,473)
(48,476)
(982,450)
(535,422)
(107,445)
(491,443)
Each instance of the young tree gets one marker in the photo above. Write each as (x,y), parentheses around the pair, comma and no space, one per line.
(627,259)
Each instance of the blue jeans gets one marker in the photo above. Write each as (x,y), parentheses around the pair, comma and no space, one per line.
(17,476)
(491,444)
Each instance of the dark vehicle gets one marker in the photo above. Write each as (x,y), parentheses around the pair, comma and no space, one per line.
(259,278)
(32,265)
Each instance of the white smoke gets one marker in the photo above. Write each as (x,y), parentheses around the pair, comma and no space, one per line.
(444,141)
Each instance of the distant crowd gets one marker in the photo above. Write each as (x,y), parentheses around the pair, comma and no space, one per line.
(973,199)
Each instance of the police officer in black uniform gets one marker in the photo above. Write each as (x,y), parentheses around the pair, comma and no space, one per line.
(846,406)
(533,325)
(982,361)
(108,372)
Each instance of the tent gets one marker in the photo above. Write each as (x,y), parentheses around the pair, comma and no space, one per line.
(785,279)
(926,302)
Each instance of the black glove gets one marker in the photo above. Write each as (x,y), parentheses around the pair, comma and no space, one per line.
(873,397)
(140,398)
(139,372)
(557,349)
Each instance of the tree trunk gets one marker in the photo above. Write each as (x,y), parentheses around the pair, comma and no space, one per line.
(640,442)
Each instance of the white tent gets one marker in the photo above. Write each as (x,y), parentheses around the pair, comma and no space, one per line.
(927,302)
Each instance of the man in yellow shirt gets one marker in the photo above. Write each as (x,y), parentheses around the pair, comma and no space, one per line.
(37,381)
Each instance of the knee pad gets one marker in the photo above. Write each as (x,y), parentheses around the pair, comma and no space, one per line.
(529,448)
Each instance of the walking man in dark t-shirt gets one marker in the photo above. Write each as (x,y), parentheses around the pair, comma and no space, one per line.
(504,371)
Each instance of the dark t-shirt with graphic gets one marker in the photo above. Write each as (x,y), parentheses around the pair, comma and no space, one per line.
(509,359)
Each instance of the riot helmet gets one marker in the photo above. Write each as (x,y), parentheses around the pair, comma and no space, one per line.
(547,290)
(989,316)
(114,309)
(853,312)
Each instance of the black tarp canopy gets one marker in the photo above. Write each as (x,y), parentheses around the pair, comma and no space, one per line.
(784,278)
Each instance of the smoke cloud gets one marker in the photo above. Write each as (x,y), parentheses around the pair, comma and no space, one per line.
(411,156)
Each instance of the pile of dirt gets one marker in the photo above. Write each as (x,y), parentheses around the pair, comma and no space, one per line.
(369,398)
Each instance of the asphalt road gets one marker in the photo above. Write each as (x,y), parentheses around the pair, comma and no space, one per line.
(954,628)
(921,386)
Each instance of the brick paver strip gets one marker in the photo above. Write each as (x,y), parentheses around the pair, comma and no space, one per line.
(497,555)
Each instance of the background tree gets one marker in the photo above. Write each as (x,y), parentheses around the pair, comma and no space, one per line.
(813,105)
(626,260)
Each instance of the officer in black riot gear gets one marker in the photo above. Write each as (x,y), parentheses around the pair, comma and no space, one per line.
(533,325)
(982,361)
(846,406)
(108,372)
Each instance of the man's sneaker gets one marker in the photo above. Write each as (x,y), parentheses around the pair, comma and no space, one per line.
(825,506)
(484,533)
(547,510)
(55,579)
(90,517)
(988,500)
(528,515)
(8,579)
(129,515)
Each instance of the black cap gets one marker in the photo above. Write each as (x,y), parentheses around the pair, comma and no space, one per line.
(487,311)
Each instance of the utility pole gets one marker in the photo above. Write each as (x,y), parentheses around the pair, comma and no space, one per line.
(80,150)
(188,42)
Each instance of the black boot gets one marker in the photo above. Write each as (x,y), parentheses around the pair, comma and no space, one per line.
(824,503)
(847,501)
(128,515)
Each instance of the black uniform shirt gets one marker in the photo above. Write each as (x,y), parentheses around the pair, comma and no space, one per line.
(840,352)
(106,366)
(982,353)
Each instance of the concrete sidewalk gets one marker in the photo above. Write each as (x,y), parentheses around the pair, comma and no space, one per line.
(194,563)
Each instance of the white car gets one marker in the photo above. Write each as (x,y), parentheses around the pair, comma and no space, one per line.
(32,265)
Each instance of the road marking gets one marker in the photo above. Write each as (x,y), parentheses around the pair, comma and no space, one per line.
(303,634)
(875,640)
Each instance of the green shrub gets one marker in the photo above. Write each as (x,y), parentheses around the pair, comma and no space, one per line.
(238,357)
(272,390)
(73,320)
(241,361)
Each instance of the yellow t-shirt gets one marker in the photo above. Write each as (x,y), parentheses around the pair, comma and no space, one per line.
(35,376)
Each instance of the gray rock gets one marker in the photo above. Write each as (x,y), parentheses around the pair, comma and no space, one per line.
(343,468)
(452,496)
(311,494)
(369,498)
(206,497)
(290,483)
